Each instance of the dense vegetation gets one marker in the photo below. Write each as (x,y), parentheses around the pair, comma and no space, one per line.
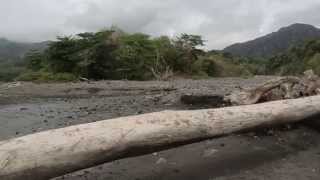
(114,54)
(296,60)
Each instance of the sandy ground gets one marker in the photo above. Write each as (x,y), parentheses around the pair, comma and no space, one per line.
(285,153)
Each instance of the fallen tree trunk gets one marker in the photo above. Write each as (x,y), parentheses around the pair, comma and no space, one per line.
(57,152)
(278,89)
(254,95)
(288,88)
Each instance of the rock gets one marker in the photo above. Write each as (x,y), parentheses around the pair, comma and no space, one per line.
(162,161)
(209,152)
(94,109)
(176,170)
(211,100)
(309,74)
(13,85)
(84,79)
(23,109)
(270,132)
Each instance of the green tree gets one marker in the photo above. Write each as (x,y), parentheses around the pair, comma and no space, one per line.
(60,55)
(135,56)
(189,41)
(35,59)
(96,55)
(188,50)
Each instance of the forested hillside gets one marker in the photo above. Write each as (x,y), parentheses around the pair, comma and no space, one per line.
(277,42)
(12,61)
(14,50)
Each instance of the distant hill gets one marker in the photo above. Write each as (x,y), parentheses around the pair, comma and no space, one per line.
(15,50)
(275,42)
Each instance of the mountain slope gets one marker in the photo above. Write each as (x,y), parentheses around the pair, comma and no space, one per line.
(14,50)
(275,42)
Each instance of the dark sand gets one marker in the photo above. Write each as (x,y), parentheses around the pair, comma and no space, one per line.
(285,153)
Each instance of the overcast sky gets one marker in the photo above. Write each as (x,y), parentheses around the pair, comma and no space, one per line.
(220,22)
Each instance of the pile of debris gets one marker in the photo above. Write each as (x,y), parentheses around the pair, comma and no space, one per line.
(278,89)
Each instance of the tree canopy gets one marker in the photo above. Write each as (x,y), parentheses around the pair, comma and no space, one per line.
(115,55)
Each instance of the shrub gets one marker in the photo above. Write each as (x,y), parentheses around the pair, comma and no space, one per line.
(203,67)
(314,63)
(29,76)
(9,73)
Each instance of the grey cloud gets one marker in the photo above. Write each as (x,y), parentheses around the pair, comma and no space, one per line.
(220,22)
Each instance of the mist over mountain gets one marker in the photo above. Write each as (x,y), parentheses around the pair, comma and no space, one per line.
(275,42)
(14,50)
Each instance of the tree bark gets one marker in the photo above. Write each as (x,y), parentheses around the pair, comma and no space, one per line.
(57,152)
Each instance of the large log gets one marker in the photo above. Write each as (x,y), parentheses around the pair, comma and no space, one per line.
(56,152)
(277,89)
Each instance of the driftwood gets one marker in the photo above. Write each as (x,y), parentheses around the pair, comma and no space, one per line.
(277,89)
(254,95)
(56,152)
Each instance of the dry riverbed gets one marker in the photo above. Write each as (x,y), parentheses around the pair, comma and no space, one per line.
(290,152)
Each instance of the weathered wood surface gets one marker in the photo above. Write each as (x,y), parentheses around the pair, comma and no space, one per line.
(56,152)
(253,95)
(277,89)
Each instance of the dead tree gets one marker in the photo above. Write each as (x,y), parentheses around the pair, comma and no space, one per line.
(254,95)
(277,89)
